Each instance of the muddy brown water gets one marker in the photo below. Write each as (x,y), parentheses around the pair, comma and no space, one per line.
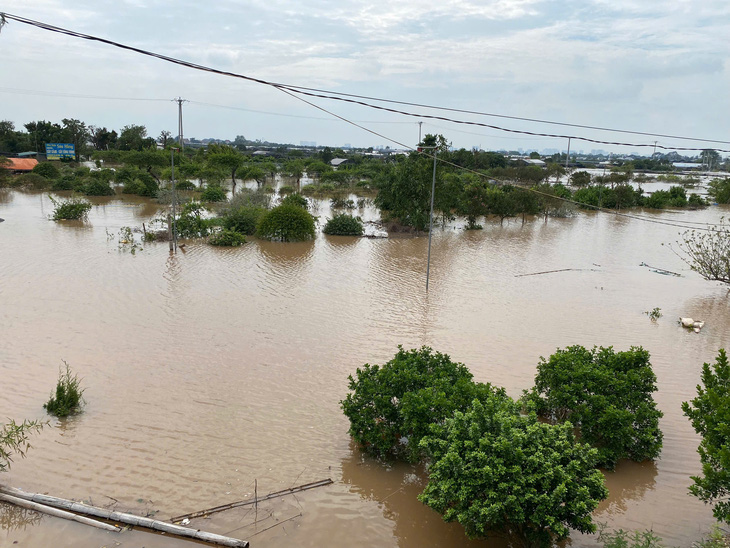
(213,368)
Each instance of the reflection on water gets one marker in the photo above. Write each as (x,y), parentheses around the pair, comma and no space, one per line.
(212,368)
(16,518)
(395,490)
(626,485)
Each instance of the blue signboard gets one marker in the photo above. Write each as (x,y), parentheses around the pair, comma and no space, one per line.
(56,151)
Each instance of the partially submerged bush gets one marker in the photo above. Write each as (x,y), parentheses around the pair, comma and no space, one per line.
(191,223)
(68,397)
(32,180)
(344,225)
(607,395)
(392,407)
(710,416)
(243,219)
(495,471)
(286,223)
(228,238)
(296,200)
(286,189)
(47,170)
(71,209)
(96,187)
(213,193)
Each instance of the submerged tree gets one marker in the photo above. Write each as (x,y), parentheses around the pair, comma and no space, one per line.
(707,252)
(497,472)
(607,395)
(710,416)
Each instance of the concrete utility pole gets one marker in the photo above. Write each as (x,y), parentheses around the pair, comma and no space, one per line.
(180,102)
(567,156)
(430,223)
(173,241)
(419,132)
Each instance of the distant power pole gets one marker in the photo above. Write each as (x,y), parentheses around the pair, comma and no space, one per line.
(181,141)
(567,156)
(419,132)
(655,142)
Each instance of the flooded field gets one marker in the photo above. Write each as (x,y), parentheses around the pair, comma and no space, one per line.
(214,368)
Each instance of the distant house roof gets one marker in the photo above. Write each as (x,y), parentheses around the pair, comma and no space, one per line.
(21,164)
(687,165)
(27,154)
(528,161)
(261,153)
(335,162)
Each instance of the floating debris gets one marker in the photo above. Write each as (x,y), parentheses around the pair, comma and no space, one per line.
(661,270)
(694,325)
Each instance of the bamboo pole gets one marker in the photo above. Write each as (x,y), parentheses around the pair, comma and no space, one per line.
(58,513)
(129,519)
(254,501)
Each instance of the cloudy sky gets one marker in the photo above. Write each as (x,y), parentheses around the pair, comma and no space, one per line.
(643,65)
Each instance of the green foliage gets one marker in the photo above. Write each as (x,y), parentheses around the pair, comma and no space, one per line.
(143,184)
(95,187)
(68,397)
(66,182)
(344,225)
(191,223)
(32,180)
(709,413)
(404,191)
(14,439)
(392,407)
(71,209)
(654,314)
(243,219)
(626,539)
(342,203)
(719,190)
(286,189)
(286,223)
(607,394)
(708,252)
(295,200)
(580,179)
(717,539)
(47,170)
(213,193)
(229,238)
(495,471)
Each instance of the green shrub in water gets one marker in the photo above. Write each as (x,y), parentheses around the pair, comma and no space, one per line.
(228,238)
(213,193)
(71,209)
(343,225)
(67,398)
(47,170)
(286,223)
(295,199)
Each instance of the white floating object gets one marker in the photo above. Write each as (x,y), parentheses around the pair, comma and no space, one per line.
(687,322)
(185,521)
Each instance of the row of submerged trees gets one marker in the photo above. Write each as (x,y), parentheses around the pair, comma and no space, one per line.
(529,468)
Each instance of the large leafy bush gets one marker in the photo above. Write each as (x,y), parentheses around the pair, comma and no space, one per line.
(607,394)
(286,223)
(495,471)
(392,407)
(710,416)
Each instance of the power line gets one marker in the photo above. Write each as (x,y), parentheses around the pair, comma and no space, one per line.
(295,92)
(352,98)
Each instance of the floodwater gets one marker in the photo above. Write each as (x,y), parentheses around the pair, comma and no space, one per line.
(216,368)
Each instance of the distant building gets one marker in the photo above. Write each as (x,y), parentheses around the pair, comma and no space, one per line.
(528,161)
(337,162)
(21,165)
